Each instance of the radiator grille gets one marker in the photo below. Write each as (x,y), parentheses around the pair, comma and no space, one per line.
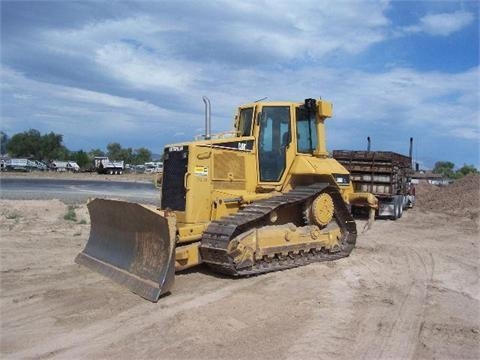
(175,165)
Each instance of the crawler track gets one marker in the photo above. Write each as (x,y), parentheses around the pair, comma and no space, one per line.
(219,233)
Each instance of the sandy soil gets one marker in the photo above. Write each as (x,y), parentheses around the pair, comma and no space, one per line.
(410,289)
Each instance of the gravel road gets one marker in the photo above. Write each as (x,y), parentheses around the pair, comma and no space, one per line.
(77,190)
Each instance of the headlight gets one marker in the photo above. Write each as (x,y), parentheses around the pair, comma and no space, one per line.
(342,179)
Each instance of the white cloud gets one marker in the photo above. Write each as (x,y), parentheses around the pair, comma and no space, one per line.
(85,40)
(77,113)
(164,53)
(467,133)
(144,70)
(443,24)
(30,89)
(237,52)
(428,103)
(400,100)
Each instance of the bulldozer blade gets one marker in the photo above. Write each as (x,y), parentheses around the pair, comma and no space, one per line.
(132,244)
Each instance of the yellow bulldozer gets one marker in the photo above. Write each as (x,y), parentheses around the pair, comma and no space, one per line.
(263,198)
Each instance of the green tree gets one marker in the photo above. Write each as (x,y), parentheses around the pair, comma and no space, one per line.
(445,168)
(3,142)
(51,147)
(81,158)
(127,155)
(141,156)
(26,144)
(95,152)
(465,170)
(115,151)
(31,144)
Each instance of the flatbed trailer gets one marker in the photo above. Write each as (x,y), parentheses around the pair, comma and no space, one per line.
(385,174)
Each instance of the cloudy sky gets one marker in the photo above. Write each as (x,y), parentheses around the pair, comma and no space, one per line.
(135,72)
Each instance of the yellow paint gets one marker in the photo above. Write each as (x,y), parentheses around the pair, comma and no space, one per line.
(223,175)
(220,180)
(187,256)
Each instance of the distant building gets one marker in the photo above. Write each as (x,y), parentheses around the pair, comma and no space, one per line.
(428,177)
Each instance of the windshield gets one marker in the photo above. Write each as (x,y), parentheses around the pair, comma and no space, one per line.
(306,131)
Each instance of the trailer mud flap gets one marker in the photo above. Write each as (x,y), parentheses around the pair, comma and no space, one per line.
(132,244)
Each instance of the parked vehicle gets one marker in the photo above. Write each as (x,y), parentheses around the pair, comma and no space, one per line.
(20,165)
(103,165)
(154,167)
(58,166)
(73,166)
(41,165)
(386,174)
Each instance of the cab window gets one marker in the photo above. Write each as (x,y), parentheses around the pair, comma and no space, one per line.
(306,131)
(245,122)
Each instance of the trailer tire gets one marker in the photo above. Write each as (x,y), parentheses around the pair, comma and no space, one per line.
(110,172)
(400,208)
(396,210)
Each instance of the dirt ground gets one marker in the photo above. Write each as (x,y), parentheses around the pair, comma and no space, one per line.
(410,289)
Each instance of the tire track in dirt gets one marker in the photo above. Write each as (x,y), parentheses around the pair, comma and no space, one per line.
(378,301)
(100,334)
(401,340)
(409,289)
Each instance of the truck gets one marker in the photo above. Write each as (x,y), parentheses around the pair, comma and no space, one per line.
(20,165)
(103,165)
(153,167)
(385,174)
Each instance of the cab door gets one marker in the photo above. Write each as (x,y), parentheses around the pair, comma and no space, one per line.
(274,138)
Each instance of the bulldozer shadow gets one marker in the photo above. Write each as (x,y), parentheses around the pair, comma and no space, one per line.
(204,269)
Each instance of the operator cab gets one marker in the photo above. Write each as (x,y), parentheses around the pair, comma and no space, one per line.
(272,123)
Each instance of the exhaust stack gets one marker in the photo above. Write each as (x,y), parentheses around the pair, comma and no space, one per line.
(369,143)
(208,118)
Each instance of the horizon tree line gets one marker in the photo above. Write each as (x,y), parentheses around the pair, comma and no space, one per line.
(31,144)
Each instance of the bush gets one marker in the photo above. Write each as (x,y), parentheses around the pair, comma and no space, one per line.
(70,214)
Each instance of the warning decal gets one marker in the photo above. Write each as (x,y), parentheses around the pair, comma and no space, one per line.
(201,170)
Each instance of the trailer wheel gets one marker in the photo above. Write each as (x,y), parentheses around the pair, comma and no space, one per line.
(110,172)
(394,216)
(396,210)
(120,172)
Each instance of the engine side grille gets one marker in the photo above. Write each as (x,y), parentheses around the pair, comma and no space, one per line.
(229,166)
